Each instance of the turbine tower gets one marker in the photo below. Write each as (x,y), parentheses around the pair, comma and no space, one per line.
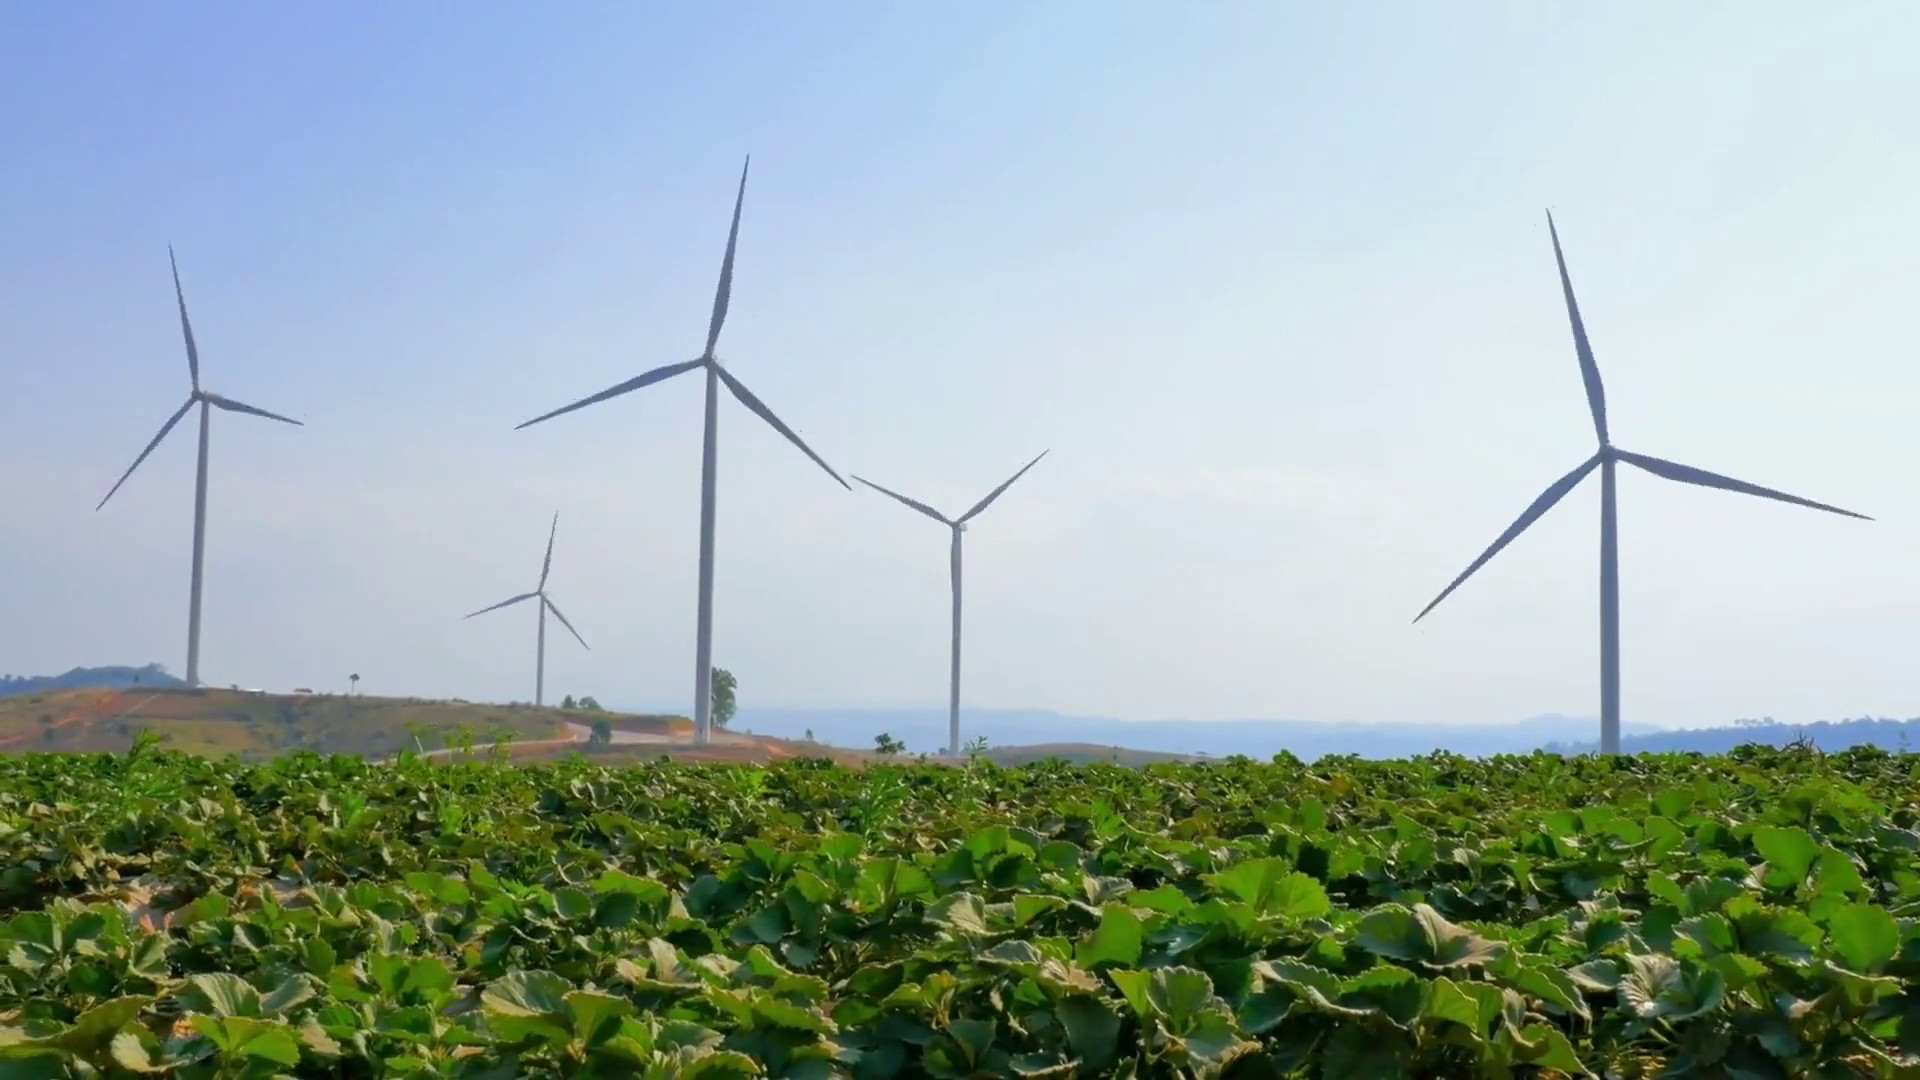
(716,375)
(546,605)
(957,525)
(1605,458)
(207,400)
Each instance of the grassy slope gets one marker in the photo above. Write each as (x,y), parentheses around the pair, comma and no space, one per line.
(258,726)
(255,727)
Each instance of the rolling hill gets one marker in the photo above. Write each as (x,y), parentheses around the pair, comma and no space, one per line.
(254,726)
(116,677)
(257,726)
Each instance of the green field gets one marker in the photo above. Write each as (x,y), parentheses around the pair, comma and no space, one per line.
(1744,917)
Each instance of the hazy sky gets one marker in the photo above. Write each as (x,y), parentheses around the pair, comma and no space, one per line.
(1271,281)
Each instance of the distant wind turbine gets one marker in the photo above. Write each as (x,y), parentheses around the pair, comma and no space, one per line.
(546,605)
(205,399)
(716,374)
(1605,459)
(957,525)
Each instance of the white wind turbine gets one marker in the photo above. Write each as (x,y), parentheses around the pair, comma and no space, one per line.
(546,605)
(716,375)
(957,525)
(207,400)
(1605,458)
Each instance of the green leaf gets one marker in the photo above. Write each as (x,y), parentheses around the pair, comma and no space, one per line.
(1360,1052)
(720,1065)
(526,1005)
(974,1037)
(1318,987)
(1270,887)
(1548,1048)
(1865,937)
(572,903)
(295,990)
(1656,987)
(1789,850)
(1398,994)
(96,1027)
(961,912)
(1422,936)
(40,1066)
(1117,940)
(248,1037)
(1030,906)
(1445,1000)
(224,994)
(1093,1031)
(596,1016)
(130,1052)
(644,889)
(1596,976)
(1551,985)
(319,957)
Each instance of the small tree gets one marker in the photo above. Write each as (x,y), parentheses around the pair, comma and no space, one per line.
(353,682)
(884,743)
(602,734)
(567,702)
(724,684)
(589,704)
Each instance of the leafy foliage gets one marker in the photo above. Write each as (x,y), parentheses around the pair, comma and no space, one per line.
(1752,916)
(725,702)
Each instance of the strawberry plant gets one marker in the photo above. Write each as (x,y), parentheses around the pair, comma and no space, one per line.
(1746,917)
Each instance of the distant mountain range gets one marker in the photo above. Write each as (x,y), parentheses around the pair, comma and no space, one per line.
(113,678)
(1823,734)
(925,731)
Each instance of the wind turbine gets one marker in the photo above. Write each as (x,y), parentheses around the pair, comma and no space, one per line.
(546,605)
(716,375)
(1605,458)
(957,525)
(207,400)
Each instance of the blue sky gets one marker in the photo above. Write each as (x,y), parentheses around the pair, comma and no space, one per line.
(1271,281)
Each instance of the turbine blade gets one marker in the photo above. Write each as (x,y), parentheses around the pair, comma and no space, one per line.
(551,606)
(1541,505)
(995,493)
(164,428)
(658,374)
(1687,474)
(547,565)
(186,327)
(913,503)
(231,405)
(1589,370)
(759,407)
(724,293)
(504,603)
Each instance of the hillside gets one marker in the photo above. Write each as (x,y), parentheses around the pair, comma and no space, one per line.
(255,727)
(117,677)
